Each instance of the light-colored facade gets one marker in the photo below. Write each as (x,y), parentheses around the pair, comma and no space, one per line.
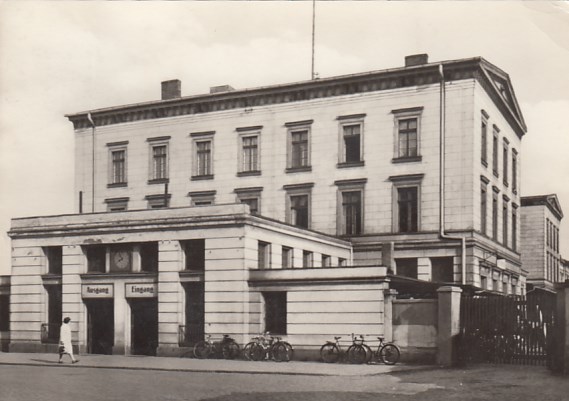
(343,174)
(541,220)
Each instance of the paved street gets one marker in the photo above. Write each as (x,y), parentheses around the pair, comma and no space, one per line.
(67,382)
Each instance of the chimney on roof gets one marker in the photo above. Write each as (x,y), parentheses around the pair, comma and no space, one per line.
(220,89)
(171,89)
(416,59)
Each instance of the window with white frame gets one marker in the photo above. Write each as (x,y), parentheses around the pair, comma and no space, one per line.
(264,255)
(287,258)
(407,134)
(298,145)
(298,199)
(202,143)
(350,206)
(351,140)
(307,259)
(117,164)
(250,196)
(249,151)
(158,159)
(406,202)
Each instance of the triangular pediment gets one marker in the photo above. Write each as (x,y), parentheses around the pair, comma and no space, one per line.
(554,204)
(502,86)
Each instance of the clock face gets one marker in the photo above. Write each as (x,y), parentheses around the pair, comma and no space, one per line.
(121,260)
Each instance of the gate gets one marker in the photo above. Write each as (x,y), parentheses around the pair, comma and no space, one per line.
(507,329)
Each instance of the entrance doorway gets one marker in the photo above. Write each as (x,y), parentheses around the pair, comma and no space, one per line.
(195,312)
(144,326)
(100,326)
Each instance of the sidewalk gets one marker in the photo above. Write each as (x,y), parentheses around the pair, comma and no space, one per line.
(209,365)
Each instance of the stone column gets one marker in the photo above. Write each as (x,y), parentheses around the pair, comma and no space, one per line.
(561,351)
(388,297)
(449,324)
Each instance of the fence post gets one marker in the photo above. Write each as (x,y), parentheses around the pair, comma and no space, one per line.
(449,324)
(561,352)
(388,297)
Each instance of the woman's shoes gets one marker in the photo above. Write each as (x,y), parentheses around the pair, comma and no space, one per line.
(75,361)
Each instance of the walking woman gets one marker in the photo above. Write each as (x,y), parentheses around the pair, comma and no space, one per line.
(65,346)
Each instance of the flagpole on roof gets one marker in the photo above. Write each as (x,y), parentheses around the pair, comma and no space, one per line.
(313,75)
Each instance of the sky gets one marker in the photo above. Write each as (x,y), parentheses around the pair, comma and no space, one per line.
(64,57)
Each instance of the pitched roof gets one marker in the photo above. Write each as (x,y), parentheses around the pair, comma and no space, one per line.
(550,201)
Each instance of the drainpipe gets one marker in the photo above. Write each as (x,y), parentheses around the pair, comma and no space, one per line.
(442,149)
(93,161)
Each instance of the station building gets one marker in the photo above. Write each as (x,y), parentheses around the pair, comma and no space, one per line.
(291,208)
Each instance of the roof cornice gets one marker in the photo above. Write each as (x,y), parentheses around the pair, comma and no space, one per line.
(373,81)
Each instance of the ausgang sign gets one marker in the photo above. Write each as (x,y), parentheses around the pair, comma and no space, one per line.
(145,290)
(97,290)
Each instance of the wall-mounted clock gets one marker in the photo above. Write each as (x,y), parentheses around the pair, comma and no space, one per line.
(120,260)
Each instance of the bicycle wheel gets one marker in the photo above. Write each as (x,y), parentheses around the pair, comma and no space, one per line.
(280,353)
(230,350)
(202,350)
(356,354)
(329,353)
(290,350)
(389,354)
(369,353)
(247,351)
(257,352)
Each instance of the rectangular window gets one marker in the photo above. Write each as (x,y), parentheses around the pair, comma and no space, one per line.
(118,173)
(351,137)
(406,267)
(495,152)
(342,262)
(158,201)
(408,209)
(250,154)
(250,196)
(484,141)
(514,228)
(287,261)
(505,215)
(307,259)
(194,254)
(96,258)
(547,231)
(408,137)
(352,212)
(326,261)
(202,198)
(514,171)
(203,155)
(54,255)
(484,282)
(495,216)
(299,149)
(149,257)
(264,255)
(483,209)
(253,204)
(159,162)
(442,269)
(505,158)
(275,312)
(299,205)
(117,204)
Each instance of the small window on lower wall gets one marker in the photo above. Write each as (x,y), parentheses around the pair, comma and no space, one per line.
(326,260)
(149,257)
(443,269)
(287,262)
(307,259)
(264,255)
(406,267)
(96,258)
(275,312)
(194,252)
(117,204)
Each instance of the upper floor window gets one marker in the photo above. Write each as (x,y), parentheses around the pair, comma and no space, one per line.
(505,162)
(495,151)
(484,205)
(249,152)
(117,163)
(298,204)
(514,171)
(407,133)
(203,155)
(250,196)
(495,213)
(202,198)
(484,138)
(287,257)
(117,204)
(307,259)
(158,159)
(505,215)
(158,201)
(298,147)
(514,227)
(96,258)
(406,204)
(350,206)
(351,139)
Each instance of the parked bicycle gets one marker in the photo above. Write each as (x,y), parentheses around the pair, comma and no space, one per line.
(268,347)
(357,352)
(226,348)
(387,352)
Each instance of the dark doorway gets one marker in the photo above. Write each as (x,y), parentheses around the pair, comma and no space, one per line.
(144,326)
(101,326)
(194,312)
